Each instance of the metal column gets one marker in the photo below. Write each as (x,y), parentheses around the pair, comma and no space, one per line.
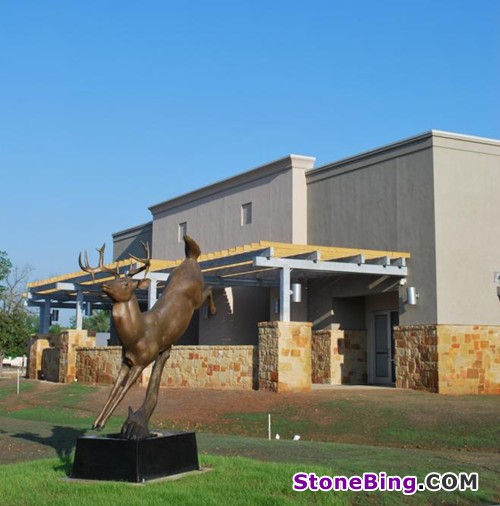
(285,294)
(79,310)
(152,293)
(45,317)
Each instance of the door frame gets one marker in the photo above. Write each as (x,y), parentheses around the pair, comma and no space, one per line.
(390,379)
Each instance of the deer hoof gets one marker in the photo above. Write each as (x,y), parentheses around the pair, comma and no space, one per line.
(135,427)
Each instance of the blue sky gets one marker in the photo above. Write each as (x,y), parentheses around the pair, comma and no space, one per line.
(108,107)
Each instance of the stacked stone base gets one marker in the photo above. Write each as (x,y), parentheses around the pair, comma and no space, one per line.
(285,356)
(220,367)
(60,359)
(449,359)
(98,365)
(339,357)
(53,357)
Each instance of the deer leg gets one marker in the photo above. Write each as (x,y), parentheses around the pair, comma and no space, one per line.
(122,376)
(207,295)
(136,425)
(135,371)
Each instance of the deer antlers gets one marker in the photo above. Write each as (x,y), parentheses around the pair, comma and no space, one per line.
(146,261)
(84,266)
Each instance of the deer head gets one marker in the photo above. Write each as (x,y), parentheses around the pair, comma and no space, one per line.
(120,289)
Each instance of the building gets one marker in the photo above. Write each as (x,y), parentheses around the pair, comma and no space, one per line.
(395,253)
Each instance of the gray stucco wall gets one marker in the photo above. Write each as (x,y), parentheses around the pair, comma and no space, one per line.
(128,241)
(382,200)
(239,309)
(213,214)
(467,188)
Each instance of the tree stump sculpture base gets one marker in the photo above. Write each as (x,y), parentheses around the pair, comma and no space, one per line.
(112,458)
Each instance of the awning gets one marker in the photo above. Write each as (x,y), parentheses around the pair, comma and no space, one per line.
(259,264)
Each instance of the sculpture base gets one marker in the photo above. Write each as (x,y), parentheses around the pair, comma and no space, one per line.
(111,458)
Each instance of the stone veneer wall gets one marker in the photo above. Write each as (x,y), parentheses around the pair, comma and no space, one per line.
(285,356)
(233,367)
(339,357)
(469,359)
(416,357)
(45,350)
(449,359)
(51,360)
(98,365)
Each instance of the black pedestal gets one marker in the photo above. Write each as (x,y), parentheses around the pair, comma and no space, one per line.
(114,459)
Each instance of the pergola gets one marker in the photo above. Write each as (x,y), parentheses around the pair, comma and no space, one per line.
(264,264)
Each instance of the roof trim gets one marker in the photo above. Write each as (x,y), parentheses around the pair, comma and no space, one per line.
(404,147)
(269,169)
(132,230)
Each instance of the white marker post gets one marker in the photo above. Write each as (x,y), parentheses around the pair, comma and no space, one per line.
(269,426)
(18,375)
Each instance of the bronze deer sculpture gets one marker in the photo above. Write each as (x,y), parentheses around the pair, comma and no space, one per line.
(148,337)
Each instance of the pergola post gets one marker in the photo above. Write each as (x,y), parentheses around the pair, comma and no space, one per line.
(285,294)
(79,310)
(45,317)
(152,293)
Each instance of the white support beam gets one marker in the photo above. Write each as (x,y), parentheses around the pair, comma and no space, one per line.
(308,265)
(152,293)
(79,310)
(66,287)
(309,255)
(285,294)
(156,276)
(355,259)
(400,262)
(236,258)
(379,261)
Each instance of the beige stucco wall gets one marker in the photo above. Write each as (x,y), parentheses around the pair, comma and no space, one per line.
(467,192)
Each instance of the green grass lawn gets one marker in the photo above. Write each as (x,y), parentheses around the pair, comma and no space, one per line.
(246,470)
(233,480)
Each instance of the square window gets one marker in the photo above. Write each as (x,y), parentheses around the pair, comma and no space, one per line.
(183,227)
(246,214)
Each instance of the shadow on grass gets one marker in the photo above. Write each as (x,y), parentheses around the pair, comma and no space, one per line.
(62,439)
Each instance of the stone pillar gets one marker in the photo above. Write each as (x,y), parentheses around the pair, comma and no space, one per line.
(69,340)
(339,357)
(285,356)
(326,364)
(37,344)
